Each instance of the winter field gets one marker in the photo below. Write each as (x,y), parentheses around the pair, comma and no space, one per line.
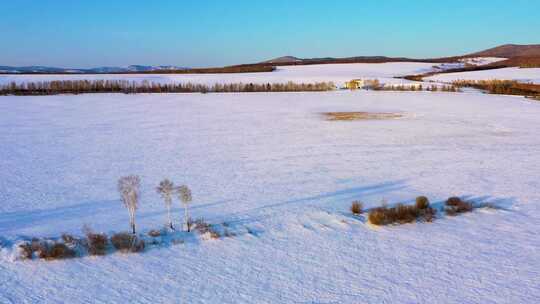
(282,178)
(522,75)
(338,73)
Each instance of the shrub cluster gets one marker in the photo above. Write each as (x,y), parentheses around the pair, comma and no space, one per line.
(401,213)
(455,205)
(201,226)
(97,243)
(46,249)
(127,242)
(123,86)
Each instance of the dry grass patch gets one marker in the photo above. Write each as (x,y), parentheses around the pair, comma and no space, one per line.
(348,116)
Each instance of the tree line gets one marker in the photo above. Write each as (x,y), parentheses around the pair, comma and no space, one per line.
(132,87)
(506,87)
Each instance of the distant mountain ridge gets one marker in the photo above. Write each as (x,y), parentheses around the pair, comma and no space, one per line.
(98,70)
(527,55)
(283,59)
(527,52)
(510,51)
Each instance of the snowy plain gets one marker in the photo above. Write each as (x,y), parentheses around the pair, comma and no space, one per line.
(520,74)
(338,73)
(478,61)
(270,163)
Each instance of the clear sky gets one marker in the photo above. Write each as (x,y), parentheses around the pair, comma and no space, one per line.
(192,33)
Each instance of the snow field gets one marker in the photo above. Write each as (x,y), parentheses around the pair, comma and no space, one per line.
(338,73)
(520,74)
(270,162)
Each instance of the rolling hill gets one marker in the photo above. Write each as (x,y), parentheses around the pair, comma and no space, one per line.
(510,51)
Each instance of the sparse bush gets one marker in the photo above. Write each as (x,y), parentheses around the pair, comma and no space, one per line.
(422,202)
(455,205)
(405,214)
(428,214)
(453,201)
(44,249)
(40,248)
(69,239)
(155,233)
(127,242)
(377,216)
(356,207)
(96,242)
(400,214)
(202,227)
(60,251)
(25,251)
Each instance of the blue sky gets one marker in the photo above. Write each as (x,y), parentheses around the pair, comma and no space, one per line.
(214,33)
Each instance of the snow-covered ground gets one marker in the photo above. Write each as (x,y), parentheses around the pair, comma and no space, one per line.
(481,60)
(268,162)
(463,62)
(338,73)
(519,74)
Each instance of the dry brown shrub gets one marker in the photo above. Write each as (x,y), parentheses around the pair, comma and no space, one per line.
(127,242)
(154,233)
(400,214)
(357,207)
(422,202)
(455,205)
(97,243)
(202,227)
(377,216)
(60,251)
(40,247)
(26,251)
(43,249)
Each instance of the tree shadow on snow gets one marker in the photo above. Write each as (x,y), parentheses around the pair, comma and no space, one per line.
(24,219)
(265,211)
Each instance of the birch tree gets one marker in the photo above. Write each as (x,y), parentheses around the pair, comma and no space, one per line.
(128,186)
(184,194)
(166,190)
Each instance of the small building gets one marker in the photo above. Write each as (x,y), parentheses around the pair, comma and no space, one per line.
(361,83)
(354,84)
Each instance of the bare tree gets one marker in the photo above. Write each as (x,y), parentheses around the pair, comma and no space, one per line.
(184,194)
(128,186)
(166,190)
